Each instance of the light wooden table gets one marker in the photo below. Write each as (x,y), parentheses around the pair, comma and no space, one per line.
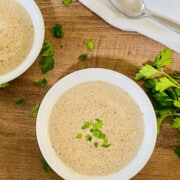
(125,52)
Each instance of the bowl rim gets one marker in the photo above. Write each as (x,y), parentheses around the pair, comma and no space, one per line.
(39,32)
(110,76)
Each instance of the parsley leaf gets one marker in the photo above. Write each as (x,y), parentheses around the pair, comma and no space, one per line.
(34,111)
(45,165)
(83,57)
(176,103)
(21,101)
(79,136)
(146,72)
(105,143)
(42,82)
(161,115)
(164,83)
(176,123)
(57,31)
(176,75)
(66,2)
(88,137)
(4,85)
(163,59)
(86,125)
(47,49)
(47,60)
(96,144)
(89,44)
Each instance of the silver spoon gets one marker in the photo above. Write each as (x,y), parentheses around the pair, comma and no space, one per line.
(137,9)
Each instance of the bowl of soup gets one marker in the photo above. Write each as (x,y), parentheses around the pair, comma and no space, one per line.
(22,36)
(96,124)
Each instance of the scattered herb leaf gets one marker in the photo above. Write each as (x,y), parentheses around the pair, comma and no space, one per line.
(34,111)
(4,85)
(89,44)
(86,125)
(47,49)
(45,165)
(96,144)
(57,31)
(42,82)
(88,137)
(79,136)
(105,143)
(21,101)
(96,132)
(47,60)
(83,57)
(66,2)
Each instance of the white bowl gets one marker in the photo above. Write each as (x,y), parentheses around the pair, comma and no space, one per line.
(38,23)
(115,78)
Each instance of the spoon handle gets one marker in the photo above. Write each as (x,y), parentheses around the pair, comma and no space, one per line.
(168,23)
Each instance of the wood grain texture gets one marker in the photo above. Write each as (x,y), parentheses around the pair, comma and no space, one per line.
(125,52)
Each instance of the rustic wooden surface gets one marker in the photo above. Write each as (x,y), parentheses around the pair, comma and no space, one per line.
(125,52)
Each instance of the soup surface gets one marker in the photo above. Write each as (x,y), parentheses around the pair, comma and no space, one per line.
(122,124)
(16,34)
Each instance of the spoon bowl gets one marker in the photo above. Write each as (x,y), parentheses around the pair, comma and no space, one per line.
(136,9)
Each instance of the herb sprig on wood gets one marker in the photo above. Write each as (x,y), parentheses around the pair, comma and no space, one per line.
(163,89)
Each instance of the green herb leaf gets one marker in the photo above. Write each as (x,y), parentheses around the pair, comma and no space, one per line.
(83,57)
(47,63)
(34,111)
(47,49)
(45,165)
(163,59)
(86,125)
(176,103)
(176,75)
(89,44)
(176,123)
(98,124)
(164,83)
(88,137)
(162,115)
(57,31)
(42,82)
(4,85)
(79,136)
(96,132)
(66,2)
(105,143)
(21,101)
(96,144)
(146,72)
(177,150)
(47,60)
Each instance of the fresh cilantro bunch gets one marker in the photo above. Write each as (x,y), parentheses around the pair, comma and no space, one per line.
(163,89)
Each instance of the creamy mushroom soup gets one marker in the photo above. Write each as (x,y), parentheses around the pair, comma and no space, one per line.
(16,34)
(122,125)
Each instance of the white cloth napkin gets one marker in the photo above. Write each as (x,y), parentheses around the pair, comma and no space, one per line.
(145,26)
